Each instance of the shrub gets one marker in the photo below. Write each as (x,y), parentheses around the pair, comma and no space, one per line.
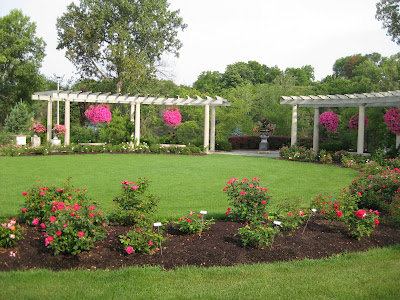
(74,226)
(223,145)
(298,153)
(289,213)
(361,222)
(394,214)
(142,238)
(247,200)
(325,157)
(12,150)
(192,224)
(19,119)
(10,233)
(377,191)
(135,202)
(258,235)
(156,148)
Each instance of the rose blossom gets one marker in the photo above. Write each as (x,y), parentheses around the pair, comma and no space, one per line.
(35,221)
(129,250)
(81,233)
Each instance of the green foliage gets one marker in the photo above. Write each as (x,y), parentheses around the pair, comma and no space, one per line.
(361,222)
(136,203)
(120,41)
(12,150)
(156,148)
(298,153)
(325,157)
(21,55)
(247,200)
(387,11)
(84,134)
(188,131)
(115,132)
(223,145)
(193,224)
(10,233)
(259,235)
(142,238)
(289,213)
(18,120)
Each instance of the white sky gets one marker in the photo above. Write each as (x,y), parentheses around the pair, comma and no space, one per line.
(286,33)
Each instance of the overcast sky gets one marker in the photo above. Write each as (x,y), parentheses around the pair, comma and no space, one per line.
(286,33)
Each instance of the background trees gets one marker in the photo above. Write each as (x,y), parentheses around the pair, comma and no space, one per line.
(388,11)
(21,55)
(119,40)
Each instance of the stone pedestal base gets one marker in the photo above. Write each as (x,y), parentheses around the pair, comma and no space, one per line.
(35,141)
(55,142)
(21,140)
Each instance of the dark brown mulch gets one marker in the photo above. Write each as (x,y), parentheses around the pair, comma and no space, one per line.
(216,247)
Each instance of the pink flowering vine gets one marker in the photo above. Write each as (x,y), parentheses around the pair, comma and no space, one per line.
(172,116)
(353,122)
(329,120)
(99,114)
(392,120)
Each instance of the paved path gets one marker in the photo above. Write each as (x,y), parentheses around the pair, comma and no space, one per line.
(249,153)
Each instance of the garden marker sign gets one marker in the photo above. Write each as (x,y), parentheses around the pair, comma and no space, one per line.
(134,102)
(382,99)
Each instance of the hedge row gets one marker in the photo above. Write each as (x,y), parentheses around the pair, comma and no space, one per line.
(275,142)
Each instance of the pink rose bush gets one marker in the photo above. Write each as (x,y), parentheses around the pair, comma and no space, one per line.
(172,116)
(193,224)
(329,120)
(10,233)
(99,114)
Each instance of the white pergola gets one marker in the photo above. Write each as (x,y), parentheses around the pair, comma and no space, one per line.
(382,99)
(134,101)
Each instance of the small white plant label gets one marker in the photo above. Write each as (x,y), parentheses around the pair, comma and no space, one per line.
(278,223)
(314,210)
(203,212)
(158,224)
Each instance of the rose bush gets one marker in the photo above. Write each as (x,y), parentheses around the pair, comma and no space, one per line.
(193,223)
(10,233)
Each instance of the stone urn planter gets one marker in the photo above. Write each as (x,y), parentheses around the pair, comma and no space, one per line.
(264,146)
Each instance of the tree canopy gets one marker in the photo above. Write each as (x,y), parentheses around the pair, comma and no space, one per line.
(388,11)
(21,55)
(119,40)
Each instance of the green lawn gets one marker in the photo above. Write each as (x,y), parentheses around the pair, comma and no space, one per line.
(370,275)
(184,182)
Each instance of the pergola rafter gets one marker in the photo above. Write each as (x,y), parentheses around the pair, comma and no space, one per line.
(381,99)
(135,102)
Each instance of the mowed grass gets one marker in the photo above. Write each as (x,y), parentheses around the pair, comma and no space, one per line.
(370,275)
(184,183)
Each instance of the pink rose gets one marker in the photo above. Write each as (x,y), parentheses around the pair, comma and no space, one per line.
(135,187)
(52,219)
(76,207)
(263,202)
(58,233)
(129,250)
(42,193)
(301,213)
(376,222)
(339,213)
(48,240)
(243,192)
(43,225)
(25,193)
(35,221)
(188,220)
(150,243)
(92,207)
(24,209)
(81,233)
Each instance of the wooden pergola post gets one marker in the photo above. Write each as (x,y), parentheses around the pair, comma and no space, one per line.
(137,124)
(361,129)
(206,127)
(212,132)
(49,119)
(67,121)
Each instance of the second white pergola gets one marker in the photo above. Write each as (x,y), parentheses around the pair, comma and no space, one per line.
(382,99)
(134,101)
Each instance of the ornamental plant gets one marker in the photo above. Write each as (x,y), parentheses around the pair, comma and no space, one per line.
(329,120)
(362,222)
(325,157)
(172,116)
(258,235)
(247,199)
(331,208)
(353,122)
(142,238)
(99,114)
(10,233)
(74,226)
(298,153)
(59,129)
(193,223)
(289,213)
(135,202)
(38,127)
(392,120)
(376,191)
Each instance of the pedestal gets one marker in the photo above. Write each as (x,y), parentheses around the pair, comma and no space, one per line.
(21,140)
(35,141)
(55,141)
(264,146)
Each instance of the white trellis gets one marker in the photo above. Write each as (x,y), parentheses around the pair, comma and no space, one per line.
(382,99)
(134,102)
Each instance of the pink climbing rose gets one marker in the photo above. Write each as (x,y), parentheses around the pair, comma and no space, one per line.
(172,116)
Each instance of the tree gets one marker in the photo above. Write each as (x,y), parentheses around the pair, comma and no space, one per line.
(388,11)
(303,75)
(209,82)
(119,40)
(237,74)
(21,55)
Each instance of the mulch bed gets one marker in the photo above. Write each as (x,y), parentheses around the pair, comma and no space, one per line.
(216,247)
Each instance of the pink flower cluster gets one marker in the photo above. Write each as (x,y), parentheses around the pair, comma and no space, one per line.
(99,114)
(59,129)
(392,120)
(172,116)
(133,185)
(353,122)
(38,127)
(329,120)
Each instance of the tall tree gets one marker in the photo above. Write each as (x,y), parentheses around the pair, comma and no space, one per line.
(119,40)
(388,11)
(21,55)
